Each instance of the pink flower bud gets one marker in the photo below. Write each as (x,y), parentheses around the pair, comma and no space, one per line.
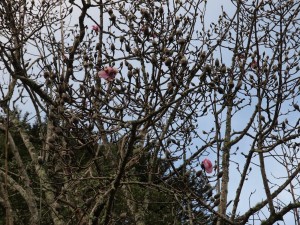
(96,28)
(207,165)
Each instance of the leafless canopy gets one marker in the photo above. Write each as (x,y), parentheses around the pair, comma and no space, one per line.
(125,99)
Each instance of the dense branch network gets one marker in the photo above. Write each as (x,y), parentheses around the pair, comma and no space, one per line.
(149,112)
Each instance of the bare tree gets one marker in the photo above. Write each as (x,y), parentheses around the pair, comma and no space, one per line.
(129,98)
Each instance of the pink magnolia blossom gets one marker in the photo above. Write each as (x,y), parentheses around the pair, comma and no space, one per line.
(207,165)
(109,73)
(96,28)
